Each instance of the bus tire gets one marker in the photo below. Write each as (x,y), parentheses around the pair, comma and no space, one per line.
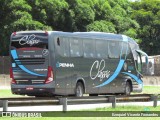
(127,89)
(79,90)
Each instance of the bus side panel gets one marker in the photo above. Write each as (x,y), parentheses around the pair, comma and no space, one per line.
(84,65)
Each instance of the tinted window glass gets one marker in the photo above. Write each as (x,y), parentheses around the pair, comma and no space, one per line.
(23,40)
(76,47)
(125,49)
(139,63)
(63,47)
(89,48)
(101,49)
(134,47)
(114,49)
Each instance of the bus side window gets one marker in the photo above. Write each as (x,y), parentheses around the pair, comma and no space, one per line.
(114,49)
(89,48)
(125,50)
(75,47)
(101,49)
(63,47)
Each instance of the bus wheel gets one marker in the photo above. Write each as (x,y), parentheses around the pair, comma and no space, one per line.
(127,89)
(79,90)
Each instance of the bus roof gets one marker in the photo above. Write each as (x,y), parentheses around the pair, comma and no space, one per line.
(97,35)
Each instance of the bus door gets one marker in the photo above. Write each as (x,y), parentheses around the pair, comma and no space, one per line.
(139,61)
(64,66)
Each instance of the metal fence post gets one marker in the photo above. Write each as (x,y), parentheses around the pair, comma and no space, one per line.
(63,101)
(154,98)
(112,99)
(5,105)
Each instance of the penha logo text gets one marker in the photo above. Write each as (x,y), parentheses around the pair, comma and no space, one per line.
(28,39)
(98,68)
(63,65)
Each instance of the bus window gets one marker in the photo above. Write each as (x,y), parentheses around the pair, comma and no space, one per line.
(114,49)
(66,52)
(101,49)
(125,50)
(63,47)
(75,48)
(21,41)
(89,48)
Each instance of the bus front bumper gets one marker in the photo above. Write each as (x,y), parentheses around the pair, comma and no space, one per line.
(138,88)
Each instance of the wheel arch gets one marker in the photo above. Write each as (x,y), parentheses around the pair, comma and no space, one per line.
(81,80)
(130,82)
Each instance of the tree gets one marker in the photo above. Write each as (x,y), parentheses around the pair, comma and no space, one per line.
(121,16)
(101,26)
(81,14)
(15,16)
(147,14)
(139,20)
(103,10)
(50,12)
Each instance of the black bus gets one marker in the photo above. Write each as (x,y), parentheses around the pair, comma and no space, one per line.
(62,63)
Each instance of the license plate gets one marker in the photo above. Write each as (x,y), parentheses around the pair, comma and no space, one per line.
(29,88)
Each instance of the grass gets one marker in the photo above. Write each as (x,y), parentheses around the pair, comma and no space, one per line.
(151,89)
(85,118)
(7,93)
(96,113)
(106,111)
(129,108)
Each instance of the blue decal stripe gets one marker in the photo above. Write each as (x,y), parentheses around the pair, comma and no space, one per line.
(15,56)
(115,74)
(139,81)
(13,64)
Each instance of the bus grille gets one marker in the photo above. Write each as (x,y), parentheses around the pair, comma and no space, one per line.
(30,82)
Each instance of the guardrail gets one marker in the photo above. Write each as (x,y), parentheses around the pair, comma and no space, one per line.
(64,101)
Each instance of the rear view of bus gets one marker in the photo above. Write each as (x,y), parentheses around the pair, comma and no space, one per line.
(30,71)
